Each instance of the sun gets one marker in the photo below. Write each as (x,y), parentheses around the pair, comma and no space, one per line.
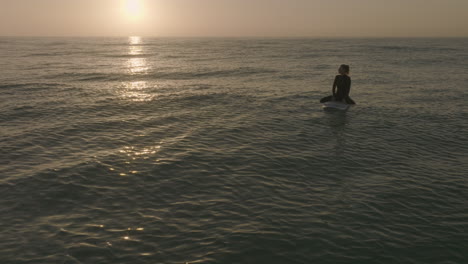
(133,9)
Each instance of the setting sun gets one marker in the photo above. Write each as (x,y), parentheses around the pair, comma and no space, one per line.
(133,9)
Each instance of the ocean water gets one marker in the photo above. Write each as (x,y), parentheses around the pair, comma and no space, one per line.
(153,150)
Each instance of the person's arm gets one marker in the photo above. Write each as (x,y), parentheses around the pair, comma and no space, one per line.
(334,86)
(348,86)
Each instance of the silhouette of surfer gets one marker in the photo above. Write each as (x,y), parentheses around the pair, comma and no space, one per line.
(341,87)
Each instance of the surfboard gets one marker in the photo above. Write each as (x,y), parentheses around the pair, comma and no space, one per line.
(335,106)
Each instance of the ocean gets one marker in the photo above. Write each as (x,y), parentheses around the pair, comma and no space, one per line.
(217,150)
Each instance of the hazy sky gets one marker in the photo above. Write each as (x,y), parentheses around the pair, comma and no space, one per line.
(314,18)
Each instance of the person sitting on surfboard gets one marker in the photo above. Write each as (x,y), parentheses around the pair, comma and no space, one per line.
(341,87)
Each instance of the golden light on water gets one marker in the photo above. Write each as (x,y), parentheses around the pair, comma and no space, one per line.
(136,91)
(134,40)
(143,153)
(135,154)
(136,66)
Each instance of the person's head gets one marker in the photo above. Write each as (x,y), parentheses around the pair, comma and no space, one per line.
(344,69)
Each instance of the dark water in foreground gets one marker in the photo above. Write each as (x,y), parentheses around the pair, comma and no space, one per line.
(216,151)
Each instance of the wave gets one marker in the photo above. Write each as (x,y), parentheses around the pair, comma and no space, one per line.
(241,71)
(126,44)
(29,85)
(178,75)
(47,54)
(412,48)
(57,43)
(85,76)
(238,72)
(58,54)
(143,55)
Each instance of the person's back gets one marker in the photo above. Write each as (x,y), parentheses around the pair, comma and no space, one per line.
(343,87)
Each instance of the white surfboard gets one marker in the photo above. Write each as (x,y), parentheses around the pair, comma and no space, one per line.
(335,106)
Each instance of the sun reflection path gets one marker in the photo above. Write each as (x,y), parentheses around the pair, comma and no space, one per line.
(137,91)
(134,155)
(144,153)
(136,65)
(134,40)
(135,51)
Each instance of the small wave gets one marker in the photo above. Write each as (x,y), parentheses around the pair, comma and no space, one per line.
(97,78)
(29,85)
(126,44)
(174,56)
(323,66)
(61,53)
(57,43)
(48,54)
(413,48)
(308,56)
(204,99)
(239,72)
(144,55)
(86,76)
(394,48)
(177,75)
(83,76)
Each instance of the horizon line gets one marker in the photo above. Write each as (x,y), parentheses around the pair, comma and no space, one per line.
(232,37)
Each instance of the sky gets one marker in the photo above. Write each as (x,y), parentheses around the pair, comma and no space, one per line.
(235,18)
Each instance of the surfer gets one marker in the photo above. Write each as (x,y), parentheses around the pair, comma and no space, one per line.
(341,87)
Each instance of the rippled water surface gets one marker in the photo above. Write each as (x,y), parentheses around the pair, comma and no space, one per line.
(148,150)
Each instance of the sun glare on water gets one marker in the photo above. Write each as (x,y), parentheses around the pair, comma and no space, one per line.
(133,9)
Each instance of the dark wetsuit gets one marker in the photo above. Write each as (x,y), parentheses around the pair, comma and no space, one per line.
(343,86)
(341,92)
